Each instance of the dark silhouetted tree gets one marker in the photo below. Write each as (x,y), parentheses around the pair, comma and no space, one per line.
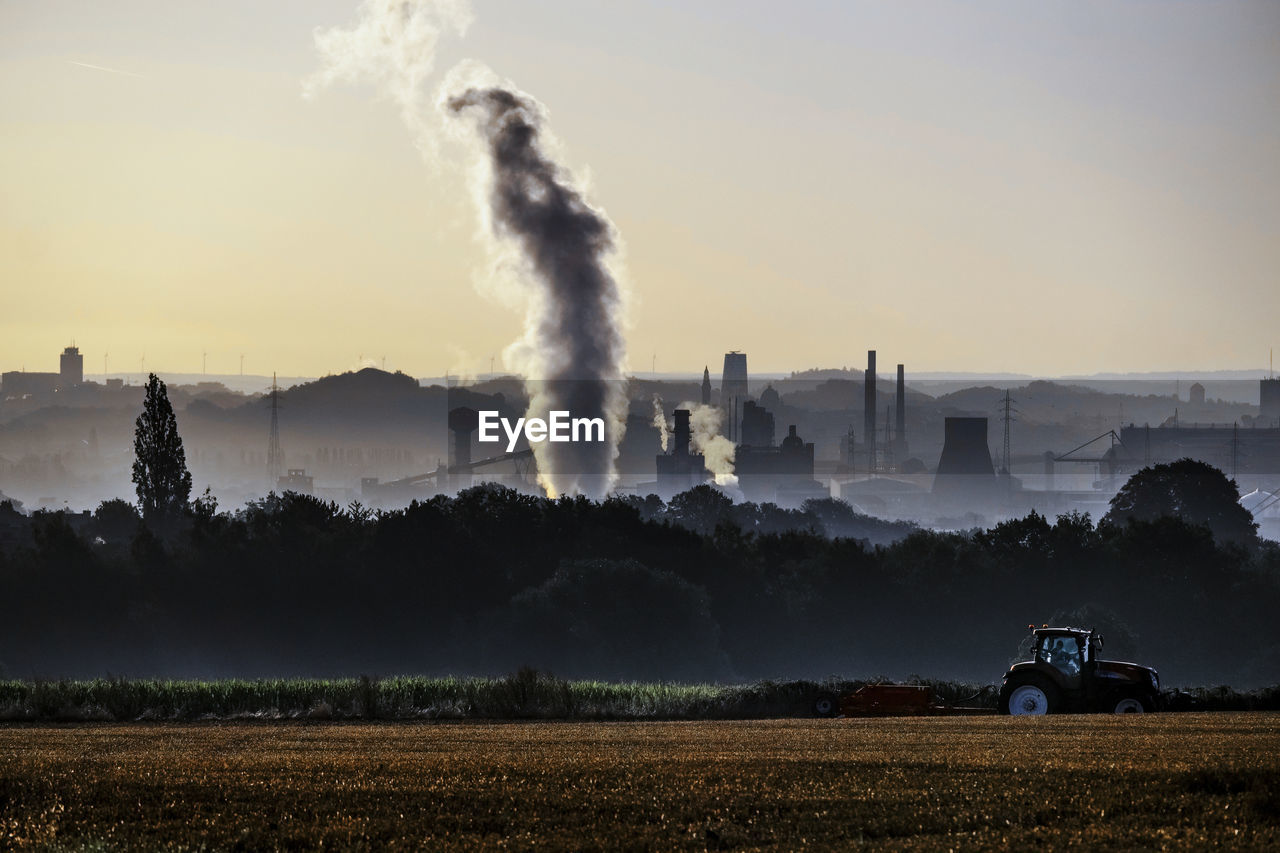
(1120,642)
(700,509)
(115,521)
(160,466)
(1194,491)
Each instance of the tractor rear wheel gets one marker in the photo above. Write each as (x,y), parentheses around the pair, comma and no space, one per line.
(1028,697)
(826,705)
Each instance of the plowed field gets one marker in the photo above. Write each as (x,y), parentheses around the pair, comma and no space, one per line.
(1095,782)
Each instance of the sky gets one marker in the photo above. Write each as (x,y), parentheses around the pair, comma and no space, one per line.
(1047,188)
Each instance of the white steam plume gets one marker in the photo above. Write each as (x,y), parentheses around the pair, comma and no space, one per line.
(392,44)
(660,421)
(718,451)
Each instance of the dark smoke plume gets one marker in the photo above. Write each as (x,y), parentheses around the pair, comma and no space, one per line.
(576,315)
(550,250)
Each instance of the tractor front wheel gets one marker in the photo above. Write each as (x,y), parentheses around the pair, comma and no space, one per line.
(1131,703)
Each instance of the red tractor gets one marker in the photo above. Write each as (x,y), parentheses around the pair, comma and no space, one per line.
(1066,675)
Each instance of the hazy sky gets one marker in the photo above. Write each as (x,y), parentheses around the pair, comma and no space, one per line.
(1035,187)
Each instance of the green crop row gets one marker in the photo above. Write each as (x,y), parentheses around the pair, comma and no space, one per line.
(524,695)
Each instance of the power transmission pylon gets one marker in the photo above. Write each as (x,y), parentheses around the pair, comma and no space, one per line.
(275,456)
(1008,412)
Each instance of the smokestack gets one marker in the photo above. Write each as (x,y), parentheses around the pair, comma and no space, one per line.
(869,410)
(900,415)
(462,422)
(682,433)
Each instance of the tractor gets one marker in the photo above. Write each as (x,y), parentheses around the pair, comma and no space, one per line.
(1066,675)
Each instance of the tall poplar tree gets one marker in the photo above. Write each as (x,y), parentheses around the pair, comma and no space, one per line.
(160,464)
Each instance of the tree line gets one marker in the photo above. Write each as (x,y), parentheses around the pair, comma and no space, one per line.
(697,588)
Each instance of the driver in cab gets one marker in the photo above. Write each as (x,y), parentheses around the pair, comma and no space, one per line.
(1065,655)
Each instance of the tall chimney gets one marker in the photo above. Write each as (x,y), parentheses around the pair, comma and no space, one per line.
(900,417)
(463,421)
(682,433)
(869,410)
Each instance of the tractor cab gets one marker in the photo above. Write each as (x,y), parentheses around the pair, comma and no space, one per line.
(1066,650)
(1067,673)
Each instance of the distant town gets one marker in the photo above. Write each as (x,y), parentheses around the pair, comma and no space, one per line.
(945,451)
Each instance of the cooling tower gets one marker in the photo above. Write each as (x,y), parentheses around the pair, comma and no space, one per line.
(966,459)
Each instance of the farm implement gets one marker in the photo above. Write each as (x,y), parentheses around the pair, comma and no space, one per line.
(892,700)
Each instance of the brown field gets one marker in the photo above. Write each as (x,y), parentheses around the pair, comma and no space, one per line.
(1090,782)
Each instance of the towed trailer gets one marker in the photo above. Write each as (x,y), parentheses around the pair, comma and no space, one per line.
(893,700)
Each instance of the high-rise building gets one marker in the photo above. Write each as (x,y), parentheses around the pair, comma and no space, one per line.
(733,382)
(706,385)
(733,389)
(71,367)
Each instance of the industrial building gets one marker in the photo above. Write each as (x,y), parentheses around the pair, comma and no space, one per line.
(296,480)
(757,425)
(680,470)
(1237,451)
(778,474)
